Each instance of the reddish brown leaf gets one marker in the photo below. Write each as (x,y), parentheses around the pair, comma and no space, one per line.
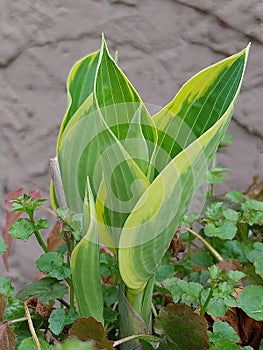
(54,239)
(230,264)
(177,246)
(40,308)
(7,337)
(181,328)
(10,218)
(88,329)
(2,306)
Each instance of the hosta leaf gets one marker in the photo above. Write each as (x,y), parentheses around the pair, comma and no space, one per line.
(149,229)
(123,109)
(113,115)
(198,105)
(79,86)
(85,265)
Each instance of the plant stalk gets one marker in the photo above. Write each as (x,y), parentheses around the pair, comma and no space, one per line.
(208,245)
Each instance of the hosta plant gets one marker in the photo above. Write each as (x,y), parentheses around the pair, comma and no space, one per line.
(131,176)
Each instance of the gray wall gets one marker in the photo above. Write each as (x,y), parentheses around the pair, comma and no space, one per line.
(161,43)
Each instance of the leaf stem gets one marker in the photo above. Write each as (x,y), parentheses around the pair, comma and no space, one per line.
(208,245)
(16,320)
(71,292)
(204,306)
(136,336)
(41,242)
(31,326)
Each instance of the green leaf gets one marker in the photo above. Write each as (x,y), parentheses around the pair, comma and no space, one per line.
(85,264)
(110,295)
(52,264)
(214,175)
(79,87)
(6,286)
(73,344)
(29,344)
(3,246)
(224,344)
(257,250)
(27,203)
(258,263)
(192,289)
(253,212)
(222,229)
(189,332)
(163,272)
(22,229)
(234,195)
(216,307)
(250,300)
(46,289)
(149,229)
(214,211)
(222,330)
(41,224)
(57,321)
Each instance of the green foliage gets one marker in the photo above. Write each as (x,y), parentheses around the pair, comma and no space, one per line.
(27,204)
(22,229)
(3,247)
(46,290)
(128,179)
(52,264)
(251,301)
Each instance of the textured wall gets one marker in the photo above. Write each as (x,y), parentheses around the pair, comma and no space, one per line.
(161,44)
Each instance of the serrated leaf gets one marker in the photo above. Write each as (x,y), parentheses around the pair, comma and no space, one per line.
(181,328)
(250,300)
(57,321)
(52,264)
(222,229)
(46,289)
(192,289)
(22,229)
(86,329)
(41,224)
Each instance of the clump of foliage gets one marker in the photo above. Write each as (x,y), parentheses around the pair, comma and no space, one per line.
(121,185)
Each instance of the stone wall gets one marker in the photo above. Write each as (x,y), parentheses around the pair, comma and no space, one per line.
(161,43)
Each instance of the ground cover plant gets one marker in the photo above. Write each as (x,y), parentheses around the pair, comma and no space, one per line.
(122,268)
